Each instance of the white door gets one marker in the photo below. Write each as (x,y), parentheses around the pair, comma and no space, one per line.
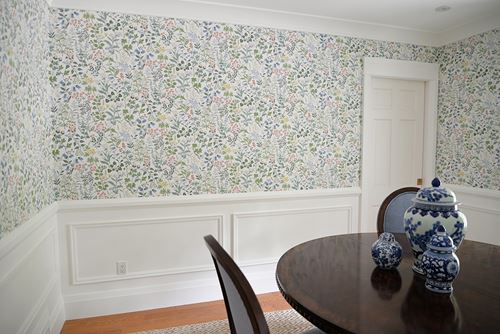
(393,142)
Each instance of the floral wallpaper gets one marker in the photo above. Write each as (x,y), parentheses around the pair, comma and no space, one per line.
(150,106)
(469,112)
(26,183)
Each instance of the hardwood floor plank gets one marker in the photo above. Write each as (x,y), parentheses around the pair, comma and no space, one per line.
(164,317)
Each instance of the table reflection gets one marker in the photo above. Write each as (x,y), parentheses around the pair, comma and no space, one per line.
(421,303)
(386,281)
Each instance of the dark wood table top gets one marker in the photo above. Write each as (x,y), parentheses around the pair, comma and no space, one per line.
(334,283)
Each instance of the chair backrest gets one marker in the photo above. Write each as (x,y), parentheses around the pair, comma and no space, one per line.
(243,309)
(391,212)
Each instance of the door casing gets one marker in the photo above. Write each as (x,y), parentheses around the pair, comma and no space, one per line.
(403,70)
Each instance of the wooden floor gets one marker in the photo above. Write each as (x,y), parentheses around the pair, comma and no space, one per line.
(164,317)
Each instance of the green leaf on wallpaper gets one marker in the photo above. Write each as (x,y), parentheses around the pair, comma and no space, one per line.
(247,58)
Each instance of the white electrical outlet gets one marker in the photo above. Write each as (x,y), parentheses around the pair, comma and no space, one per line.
(121,267)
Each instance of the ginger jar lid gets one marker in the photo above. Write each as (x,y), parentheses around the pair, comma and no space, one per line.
(436,195)
(441,241)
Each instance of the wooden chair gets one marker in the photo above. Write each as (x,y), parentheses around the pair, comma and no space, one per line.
(243,309)
(392,210)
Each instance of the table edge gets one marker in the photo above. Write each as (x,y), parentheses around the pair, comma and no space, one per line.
(310,316)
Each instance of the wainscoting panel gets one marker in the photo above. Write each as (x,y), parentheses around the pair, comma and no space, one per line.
(482,209)
(161,242)
(262,237)
(149,247)
(30,290)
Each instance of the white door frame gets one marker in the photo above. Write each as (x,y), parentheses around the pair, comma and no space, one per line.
(403,70)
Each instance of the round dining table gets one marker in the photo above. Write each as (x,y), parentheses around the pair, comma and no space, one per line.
(334,283)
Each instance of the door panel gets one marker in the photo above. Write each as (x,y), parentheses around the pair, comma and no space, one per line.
(382,146)
(394,140)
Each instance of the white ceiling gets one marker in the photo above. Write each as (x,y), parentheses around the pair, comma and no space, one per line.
(406,14)
(413,21)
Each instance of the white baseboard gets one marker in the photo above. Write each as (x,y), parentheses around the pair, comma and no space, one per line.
(30,289)
(152,297)
(131,298)
(161,240)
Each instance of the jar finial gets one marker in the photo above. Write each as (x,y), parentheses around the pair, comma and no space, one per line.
(440,230)
(436,183)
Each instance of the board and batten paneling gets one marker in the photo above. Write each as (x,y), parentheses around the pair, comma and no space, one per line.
(161,240)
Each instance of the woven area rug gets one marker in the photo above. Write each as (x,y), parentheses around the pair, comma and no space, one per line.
(280,322)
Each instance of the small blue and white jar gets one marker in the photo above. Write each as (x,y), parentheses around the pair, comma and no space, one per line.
(440,263)
(386,251)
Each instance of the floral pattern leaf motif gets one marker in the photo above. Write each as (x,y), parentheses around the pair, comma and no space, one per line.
(26,180)
(151,106)
(469,112)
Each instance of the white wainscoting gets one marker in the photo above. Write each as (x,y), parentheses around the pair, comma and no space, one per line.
(482,209)
(262,237)
(161,240)
(151,247)
(30,289)
(62,263)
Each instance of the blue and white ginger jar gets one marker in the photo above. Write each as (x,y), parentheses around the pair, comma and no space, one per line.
(433,206)
(386,251)
(440,263)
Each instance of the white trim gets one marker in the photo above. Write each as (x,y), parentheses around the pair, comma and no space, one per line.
(20,233)
(400,69)
(77,280)
(39,305)
(67,205)
(188,285)
(113,301)
(146,293)
(58,315)
(237,216)
(490,193)
(405,70)
(17,249)
(467,30)
(481,209)
(258,17)
(50,233)
(281,19)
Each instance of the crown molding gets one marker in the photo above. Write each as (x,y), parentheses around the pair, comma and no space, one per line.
(260,17)
(250,16)
(467,30)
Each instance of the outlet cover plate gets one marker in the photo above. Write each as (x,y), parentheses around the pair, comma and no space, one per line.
(121,268)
